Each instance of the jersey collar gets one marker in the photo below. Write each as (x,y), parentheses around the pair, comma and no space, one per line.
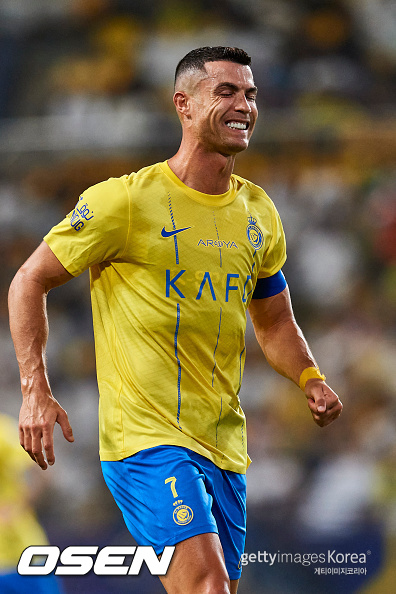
(207,199)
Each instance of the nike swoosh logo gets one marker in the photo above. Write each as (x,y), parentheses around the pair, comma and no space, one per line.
(166,233)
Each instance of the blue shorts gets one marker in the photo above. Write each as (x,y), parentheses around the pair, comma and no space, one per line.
(169,493)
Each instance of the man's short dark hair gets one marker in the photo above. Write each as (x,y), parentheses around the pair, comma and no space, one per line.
(197,58)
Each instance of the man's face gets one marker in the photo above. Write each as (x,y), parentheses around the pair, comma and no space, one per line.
(223,109)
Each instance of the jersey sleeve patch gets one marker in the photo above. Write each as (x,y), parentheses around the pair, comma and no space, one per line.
(269,286)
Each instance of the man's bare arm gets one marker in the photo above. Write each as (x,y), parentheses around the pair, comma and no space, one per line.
(287,351)
(27,302)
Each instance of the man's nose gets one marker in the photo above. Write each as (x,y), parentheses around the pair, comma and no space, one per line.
(242,103)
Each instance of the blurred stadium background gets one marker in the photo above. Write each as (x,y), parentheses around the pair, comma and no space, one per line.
(85,94)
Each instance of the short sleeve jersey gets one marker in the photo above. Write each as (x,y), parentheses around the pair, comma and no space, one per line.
(172,271)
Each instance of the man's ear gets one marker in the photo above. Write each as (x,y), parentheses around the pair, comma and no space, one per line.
(182,103)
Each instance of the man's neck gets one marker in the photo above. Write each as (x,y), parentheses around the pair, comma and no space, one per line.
(208,173)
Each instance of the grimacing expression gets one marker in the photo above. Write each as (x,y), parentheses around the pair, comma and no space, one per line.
(223,109)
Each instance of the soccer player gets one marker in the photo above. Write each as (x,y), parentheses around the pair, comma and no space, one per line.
(177,253)
(19,525)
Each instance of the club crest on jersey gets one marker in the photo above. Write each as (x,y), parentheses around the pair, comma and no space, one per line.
(254,234)
(183,515)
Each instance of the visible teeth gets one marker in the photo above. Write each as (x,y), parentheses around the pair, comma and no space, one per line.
(238,125)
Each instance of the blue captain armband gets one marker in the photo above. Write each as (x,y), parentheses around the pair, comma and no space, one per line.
(269,286)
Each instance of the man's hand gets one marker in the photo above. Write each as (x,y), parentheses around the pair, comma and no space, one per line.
(324,404)
(37,419)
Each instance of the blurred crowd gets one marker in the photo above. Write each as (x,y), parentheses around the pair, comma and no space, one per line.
(85,94)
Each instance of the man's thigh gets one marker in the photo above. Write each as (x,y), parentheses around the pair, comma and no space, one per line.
(198,566)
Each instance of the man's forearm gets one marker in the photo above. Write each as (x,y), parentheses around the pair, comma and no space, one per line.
(286,349)
(29,329)
(279,336)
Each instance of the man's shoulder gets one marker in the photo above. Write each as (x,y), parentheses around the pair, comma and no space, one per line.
(252,190)
(143,175)
(128,178)
(120,187)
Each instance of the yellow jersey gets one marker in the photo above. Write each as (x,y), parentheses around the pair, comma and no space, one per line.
(172,271)
(19,526)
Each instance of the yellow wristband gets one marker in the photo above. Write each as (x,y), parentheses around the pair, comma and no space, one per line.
(310,373)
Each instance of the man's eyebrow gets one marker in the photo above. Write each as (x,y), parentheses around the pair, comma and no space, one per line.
(233,87)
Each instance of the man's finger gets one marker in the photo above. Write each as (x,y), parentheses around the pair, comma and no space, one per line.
(21,437)
(41,461)
(317,406)
(332,412)
(27,439)
(65,426)
(30,454)
(334,402)
(37,448)
(36,453)
(48,443)
(26,442)
(324,421)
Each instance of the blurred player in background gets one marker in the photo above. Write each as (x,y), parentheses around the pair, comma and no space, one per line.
(177,253)
(19,526)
